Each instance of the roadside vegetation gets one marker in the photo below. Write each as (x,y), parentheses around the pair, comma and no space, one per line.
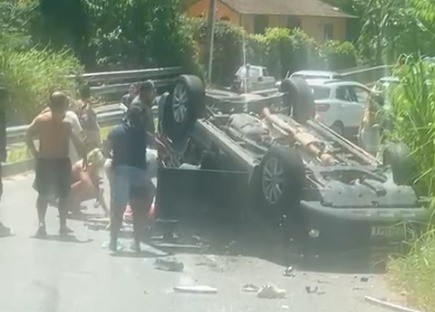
(414,115)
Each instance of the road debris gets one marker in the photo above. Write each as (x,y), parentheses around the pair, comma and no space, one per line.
(197,289)
(285,307)
(323,282)
(311,290)
(364,279)
(289,271)
(389,305)
(357,288)
(250,288)
(200,241)
(169,264)
(271,291)
(208,260)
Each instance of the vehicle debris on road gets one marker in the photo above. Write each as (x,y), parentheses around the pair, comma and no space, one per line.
(271,291)
(311,290)
(364,279)
(250,288)
(169,264)
(199,289)
(289,271)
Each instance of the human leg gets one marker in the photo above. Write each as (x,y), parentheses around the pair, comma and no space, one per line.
(120,195)
(63,180)
(42,185)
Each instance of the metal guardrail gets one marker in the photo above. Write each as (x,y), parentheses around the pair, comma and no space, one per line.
(140,74)
(367,75)
(109,118)
(110,86)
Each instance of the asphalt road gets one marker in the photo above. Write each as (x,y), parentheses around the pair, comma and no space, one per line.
(79,274)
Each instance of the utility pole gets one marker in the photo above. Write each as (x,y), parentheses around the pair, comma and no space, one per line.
(210,39)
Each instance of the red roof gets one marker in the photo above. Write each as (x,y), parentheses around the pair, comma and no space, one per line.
(285,7)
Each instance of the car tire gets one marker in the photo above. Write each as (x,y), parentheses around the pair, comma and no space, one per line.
(338,127)
(298,96)
(280,180)
(183,107)
(403,167)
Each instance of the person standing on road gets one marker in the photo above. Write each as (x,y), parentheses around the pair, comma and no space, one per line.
(88,119)
(129,97)
(127,145)
(72,117)
(145,100)
(52,162)
(4,231)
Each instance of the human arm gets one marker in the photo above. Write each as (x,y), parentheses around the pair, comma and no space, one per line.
(32,131)
(79,146)
(107,147)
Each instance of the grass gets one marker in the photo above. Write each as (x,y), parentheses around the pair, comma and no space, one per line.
(18,152)
(414,116)
(415,272)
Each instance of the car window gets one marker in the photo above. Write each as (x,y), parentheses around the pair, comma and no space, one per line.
(265,72)
(253,72)
(320,93)
(344,93)
(360,94)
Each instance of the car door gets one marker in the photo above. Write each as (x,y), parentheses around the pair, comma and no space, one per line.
(362,96)
(349,108)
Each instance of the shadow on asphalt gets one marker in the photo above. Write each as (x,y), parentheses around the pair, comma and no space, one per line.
(63,238)
(250,240)
(133,254)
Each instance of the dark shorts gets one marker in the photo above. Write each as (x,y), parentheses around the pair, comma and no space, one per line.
(53,177)
(128,183)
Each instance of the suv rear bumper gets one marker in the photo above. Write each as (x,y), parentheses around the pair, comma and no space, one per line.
(339,228)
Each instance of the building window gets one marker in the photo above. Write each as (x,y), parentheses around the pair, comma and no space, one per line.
(261,22)
(225,18)
(328,32)
(293,22)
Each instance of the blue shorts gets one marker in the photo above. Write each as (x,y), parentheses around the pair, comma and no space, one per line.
(128,182)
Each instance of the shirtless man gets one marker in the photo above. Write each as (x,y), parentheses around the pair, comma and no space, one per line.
(52,163)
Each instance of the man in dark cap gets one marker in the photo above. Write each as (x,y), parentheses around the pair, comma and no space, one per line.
(4,231)
(126,144)
(52,163)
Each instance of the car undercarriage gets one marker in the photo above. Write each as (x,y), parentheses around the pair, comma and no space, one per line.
(327,189)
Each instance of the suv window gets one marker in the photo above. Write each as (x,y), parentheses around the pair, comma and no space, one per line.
(320,93)
(361,95)
(345,93)
(254,72)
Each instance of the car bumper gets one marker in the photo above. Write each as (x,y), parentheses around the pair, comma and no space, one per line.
(328,227)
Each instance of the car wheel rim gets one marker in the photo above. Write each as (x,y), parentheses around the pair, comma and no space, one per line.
(273,180)
(179,103)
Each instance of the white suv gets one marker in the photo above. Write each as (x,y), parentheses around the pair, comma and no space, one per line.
(340,104)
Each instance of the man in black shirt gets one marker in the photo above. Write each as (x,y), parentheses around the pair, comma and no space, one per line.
(127,143)
(4,231)
(145,100)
